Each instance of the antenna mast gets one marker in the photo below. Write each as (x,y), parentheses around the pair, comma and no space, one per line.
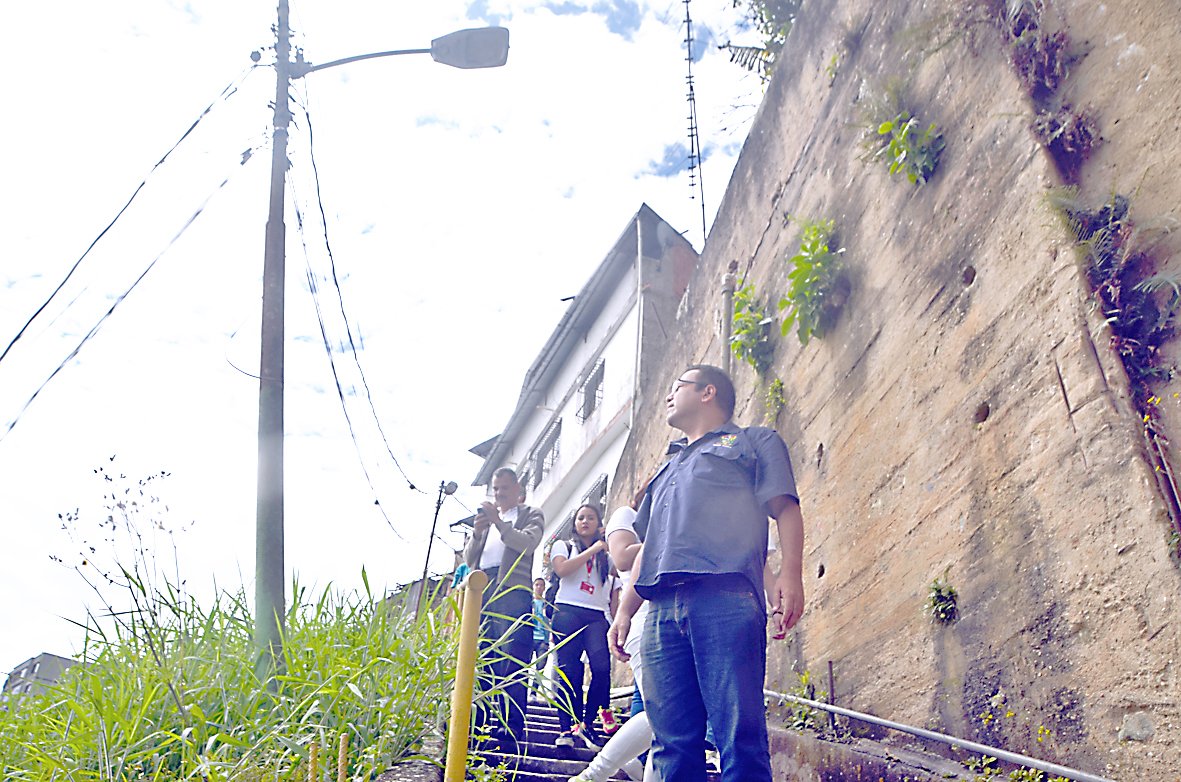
(695,157)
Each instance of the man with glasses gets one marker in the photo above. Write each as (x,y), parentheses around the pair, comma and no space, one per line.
(505,534)
(705,641)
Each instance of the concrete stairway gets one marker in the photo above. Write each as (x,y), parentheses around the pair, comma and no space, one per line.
(539,760)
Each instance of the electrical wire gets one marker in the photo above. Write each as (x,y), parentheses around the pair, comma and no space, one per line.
(340,298)
(332,361)
(119,300)
(230,89)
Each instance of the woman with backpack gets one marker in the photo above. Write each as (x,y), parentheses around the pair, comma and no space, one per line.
(580,625)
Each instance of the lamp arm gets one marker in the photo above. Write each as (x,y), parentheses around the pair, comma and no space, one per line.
(298,72)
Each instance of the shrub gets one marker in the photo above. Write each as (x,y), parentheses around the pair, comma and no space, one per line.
(812,278)
(750,337)
(906,151)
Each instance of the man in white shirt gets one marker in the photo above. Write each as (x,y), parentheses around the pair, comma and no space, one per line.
(505,534)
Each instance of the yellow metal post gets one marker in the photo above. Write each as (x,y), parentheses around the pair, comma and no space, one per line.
(465,668)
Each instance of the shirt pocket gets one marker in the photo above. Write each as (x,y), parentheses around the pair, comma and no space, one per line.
(723,462)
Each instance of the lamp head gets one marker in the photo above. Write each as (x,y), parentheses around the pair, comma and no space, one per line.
(480,47)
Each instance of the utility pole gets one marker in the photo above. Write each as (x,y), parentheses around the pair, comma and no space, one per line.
(479,48)
(269,598)
(444,490)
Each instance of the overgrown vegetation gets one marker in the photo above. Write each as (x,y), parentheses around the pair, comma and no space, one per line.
(750,336)
(1117,257)
(775,400)
(813,299)
(941,601)
(799,716)
(891,133)
(772,20)
(1042,59)
(172,692)
(917,156)
(169,689)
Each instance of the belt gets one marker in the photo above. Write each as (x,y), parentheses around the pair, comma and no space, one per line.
(677,580)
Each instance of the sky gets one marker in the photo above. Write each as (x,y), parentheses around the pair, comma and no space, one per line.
(460,206)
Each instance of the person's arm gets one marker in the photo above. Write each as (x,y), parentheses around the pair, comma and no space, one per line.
(623,545)
(629,602)
(475,544)
(527,535)
(567,566)
(787,593)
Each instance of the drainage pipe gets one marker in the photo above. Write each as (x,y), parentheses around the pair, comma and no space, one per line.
(728,283)
(971,746)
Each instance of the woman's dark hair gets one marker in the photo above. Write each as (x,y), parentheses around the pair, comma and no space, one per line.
(600,558)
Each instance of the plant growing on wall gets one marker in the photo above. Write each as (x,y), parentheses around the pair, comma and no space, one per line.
(811,280)
(775,400)
(750,337)
(941,601)
(907,151)
(772,20)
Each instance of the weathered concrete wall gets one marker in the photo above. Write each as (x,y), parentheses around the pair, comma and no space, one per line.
(966,414)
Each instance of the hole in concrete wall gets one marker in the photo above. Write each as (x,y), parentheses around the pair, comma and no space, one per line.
(982,413)
(819,454)
(820,572)
(969,276)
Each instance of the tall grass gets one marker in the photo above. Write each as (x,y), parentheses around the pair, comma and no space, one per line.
(168,690)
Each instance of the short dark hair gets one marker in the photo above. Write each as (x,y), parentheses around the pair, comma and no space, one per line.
(509,471)
(716,377)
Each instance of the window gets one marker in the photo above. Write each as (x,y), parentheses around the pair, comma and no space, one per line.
(597,495)
(547,452)
(591,393)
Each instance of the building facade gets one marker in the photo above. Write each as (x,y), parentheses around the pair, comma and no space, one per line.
(575,411)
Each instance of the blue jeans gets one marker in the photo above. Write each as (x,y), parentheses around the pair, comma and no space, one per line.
(499,615)
(705,656)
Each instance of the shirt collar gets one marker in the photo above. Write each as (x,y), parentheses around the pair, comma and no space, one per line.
(676,446)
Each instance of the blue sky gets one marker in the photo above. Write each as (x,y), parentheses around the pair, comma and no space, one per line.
(461,207)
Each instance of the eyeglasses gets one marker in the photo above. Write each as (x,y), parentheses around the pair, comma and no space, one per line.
(697,384)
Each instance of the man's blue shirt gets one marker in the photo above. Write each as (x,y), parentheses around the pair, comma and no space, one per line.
(706,510)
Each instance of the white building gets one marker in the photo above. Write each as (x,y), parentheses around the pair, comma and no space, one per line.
(574,414)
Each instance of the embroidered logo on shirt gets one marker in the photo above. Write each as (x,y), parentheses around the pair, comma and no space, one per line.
(728,440)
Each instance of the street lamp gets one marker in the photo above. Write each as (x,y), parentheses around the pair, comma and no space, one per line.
(477,48)
(444,490)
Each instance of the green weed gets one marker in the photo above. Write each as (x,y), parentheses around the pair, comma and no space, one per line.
(775,400)
(812,279)
(917,156)
(941,601)
(750,336)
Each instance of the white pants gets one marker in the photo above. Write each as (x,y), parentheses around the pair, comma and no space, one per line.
(635,737)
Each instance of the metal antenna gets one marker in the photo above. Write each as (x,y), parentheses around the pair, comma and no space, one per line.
(695,158)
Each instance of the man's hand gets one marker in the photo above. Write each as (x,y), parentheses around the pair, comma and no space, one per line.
(787,604)
(617,634)
(485,516)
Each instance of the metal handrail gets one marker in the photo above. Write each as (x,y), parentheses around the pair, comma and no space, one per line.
(471,595)
(1002,754)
